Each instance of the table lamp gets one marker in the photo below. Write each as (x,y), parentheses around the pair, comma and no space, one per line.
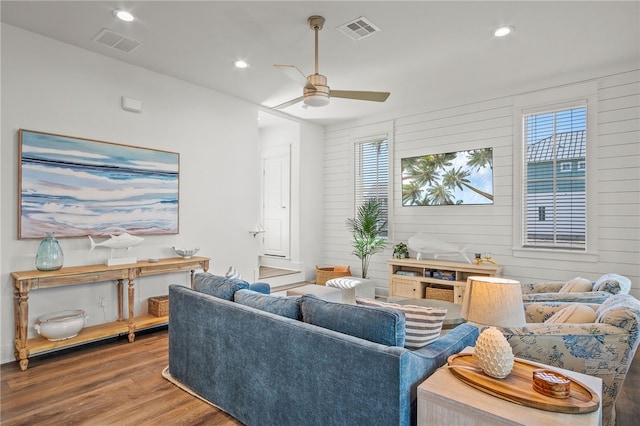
(493,302)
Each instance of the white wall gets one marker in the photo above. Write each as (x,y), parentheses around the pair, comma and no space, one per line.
(54,87)
(490,123)
(311,197)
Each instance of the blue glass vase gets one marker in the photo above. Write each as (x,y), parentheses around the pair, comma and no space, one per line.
(50,256)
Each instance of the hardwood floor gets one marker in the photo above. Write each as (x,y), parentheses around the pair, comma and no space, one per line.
(627,405)
(107,384)
(118,383)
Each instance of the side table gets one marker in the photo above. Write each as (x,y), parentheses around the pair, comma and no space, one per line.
(445,400)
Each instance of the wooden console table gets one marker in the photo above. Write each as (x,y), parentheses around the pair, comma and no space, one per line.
(410,278)
(24,282)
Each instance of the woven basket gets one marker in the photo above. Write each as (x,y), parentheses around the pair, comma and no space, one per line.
(159,306)
(439,294)
(325,274)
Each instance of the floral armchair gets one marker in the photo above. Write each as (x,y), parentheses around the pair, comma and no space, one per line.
(577,289)
(556,335)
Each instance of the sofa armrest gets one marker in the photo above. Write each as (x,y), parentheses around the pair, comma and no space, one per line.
(577,297)
(600,350)
(563,331)
(451,343)
(550,287)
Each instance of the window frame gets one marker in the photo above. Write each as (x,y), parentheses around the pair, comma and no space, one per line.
(566,97)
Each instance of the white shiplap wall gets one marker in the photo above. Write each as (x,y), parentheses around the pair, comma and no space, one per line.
(490,228)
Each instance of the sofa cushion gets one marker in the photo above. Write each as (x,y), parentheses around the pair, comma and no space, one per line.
(422,325)
(221,287)
(613,283)
(573,314)
(280,305)
(379,325)
(576,285)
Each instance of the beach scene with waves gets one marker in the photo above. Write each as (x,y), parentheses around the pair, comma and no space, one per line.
(77,187)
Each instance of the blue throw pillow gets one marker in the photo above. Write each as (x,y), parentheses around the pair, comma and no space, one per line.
(218,286)
(280,305)
(379,325)
(263,288)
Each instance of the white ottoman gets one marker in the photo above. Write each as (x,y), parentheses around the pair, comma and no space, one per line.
(352,287)
(325,293)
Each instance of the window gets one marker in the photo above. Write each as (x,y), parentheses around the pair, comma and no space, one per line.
(542,213)
(372,173)
(554,181)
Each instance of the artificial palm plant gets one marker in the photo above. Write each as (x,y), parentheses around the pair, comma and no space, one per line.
(367,228)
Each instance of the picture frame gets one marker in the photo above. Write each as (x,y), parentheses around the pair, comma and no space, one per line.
(75,187)
(451,178)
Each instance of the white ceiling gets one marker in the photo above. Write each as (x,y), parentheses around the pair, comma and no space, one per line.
(428,54)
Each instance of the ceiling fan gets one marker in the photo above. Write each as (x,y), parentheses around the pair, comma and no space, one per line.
(316,92)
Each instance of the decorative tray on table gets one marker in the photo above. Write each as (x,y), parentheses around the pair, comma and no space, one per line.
(517,387)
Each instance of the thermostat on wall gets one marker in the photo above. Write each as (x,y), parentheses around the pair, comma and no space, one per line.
(130,104)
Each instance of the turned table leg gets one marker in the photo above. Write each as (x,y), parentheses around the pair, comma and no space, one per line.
(132,327)
(120,301)
(21,318)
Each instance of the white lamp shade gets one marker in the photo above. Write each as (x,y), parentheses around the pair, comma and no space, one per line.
(494,302)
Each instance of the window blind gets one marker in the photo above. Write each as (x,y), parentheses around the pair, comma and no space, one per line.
(372,173)
(555,179)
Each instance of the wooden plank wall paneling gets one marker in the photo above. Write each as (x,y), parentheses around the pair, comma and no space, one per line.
(490,228)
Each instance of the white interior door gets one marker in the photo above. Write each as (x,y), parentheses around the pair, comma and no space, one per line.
(276,175)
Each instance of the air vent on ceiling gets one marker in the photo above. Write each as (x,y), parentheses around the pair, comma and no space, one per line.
(116,41)
(359,28)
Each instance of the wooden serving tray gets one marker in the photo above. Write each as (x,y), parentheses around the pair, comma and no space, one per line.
(517,387)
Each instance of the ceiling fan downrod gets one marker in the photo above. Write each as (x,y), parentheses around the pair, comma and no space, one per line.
(316,23)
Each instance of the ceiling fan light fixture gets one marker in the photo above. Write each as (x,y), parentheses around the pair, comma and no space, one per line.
(316,100)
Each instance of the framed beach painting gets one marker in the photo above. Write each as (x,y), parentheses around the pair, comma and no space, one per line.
(76,187)
(451,178)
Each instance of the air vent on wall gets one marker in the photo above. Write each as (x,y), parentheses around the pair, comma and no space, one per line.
(116,41)
(359,28)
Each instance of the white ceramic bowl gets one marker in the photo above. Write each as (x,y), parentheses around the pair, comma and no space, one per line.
(186,253)
(61,325)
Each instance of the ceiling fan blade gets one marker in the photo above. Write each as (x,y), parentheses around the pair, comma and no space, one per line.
(359,95)
(295,74)
(288,103)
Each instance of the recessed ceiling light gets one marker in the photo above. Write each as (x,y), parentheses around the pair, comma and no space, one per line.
(503,31)
(240,64)
(123,15)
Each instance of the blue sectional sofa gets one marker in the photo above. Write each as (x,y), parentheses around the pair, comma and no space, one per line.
(254,356)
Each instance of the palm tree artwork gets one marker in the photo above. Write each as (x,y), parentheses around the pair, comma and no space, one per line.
(463,177)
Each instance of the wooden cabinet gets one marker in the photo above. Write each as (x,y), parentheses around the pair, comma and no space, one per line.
(440,279)
(26,281)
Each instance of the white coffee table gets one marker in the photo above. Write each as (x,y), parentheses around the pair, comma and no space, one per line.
(443,400)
